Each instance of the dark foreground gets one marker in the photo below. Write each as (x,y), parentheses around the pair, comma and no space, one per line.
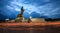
(30,27)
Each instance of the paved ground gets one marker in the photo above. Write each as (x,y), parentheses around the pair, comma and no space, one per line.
(42,27)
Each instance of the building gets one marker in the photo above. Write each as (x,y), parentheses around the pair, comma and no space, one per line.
(38,20)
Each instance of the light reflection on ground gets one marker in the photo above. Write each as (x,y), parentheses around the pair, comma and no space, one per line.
(43,27)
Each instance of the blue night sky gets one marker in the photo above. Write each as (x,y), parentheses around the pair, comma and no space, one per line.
(35,8)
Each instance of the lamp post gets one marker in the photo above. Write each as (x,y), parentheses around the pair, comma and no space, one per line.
(29,19)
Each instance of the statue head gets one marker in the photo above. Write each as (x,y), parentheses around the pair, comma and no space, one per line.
(22,10)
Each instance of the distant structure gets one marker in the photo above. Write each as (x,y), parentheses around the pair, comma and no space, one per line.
(50,19)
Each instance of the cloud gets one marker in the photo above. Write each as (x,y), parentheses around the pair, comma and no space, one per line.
(30,6)
(43,7)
